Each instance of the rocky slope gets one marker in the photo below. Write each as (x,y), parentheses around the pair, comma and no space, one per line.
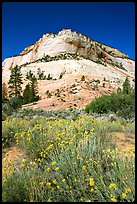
(70,55)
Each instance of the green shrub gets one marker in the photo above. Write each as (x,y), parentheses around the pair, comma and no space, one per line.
(15,189)
(49,77)
(7,110)
(119,65)
(61,74)
(40,74)
(120,103)
(15,102)
(48,94)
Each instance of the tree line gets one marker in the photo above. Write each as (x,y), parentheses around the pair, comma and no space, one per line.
(15,97)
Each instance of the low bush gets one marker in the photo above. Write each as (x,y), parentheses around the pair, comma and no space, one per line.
(120,103)
(68,161)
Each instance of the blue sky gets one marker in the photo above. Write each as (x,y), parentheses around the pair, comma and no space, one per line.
(111,23)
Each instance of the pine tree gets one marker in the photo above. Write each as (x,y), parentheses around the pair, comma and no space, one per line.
(4,92)
(34,89)
(40,74)
(15,82)
(31,90)
(26,94)
(49,77)
(29,75)
(126,86)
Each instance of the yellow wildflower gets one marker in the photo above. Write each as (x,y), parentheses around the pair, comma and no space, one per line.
(127,190)
(28,139)
(54,181)
(91,181)
(123,195)
(67,186)
(52,189)
(48,169)
(41,183)
(84,167)
(57,168)
(23,160)
(48,184)
(63,180)
(91,189)
(113,186)
(53,163)
(113,198)
(113,164)
(22,166)
(49,200)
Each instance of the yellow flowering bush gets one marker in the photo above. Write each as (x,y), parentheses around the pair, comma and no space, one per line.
(68,161)
(91,182)
(112,186)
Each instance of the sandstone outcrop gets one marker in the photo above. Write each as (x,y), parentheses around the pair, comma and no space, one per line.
(69,52)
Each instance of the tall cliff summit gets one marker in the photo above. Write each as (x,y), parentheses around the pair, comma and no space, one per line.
(71,55)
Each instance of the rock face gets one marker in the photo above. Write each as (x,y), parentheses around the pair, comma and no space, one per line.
(70,52)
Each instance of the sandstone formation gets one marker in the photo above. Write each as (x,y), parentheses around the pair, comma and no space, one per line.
(70,53)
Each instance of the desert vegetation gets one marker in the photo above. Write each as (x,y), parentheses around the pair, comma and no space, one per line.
(66,159)
(70,56)
(15,97)
(119,65)
(121,102)
(69,155)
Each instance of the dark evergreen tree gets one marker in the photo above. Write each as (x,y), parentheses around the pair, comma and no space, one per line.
(15,82)
(126,86)
(4,93)
(40,74)
(29,75)
(26,94)
(33,89)
(49,77)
